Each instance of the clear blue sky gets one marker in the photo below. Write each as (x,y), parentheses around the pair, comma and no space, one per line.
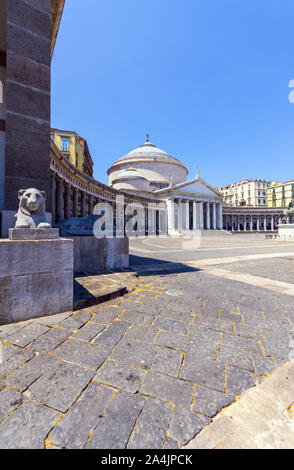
(208,79)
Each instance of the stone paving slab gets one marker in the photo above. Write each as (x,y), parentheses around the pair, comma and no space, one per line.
(167,358)
(35,418)
(168,361)
(74,430)
(278,269)
(60,386)
(168,389)
(114,429)
(120,376)
(95,288)
(152,425)
(260,419)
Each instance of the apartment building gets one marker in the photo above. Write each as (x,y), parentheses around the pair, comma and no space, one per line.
(280,194)
(246,193)
(75,148)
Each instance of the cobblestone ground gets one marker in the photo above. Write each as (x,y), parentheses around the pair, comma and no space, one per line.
(148,370)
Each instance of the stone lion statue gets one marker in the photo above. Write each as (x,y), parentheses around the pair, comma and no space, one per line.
(31,212)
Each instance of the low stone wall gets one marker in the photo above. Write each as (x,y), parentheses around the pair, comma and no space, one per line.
(36,278)
(93,254)
(286,232)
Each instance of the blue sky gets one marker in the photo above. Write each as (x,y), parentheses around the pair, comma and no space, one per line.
(208,80)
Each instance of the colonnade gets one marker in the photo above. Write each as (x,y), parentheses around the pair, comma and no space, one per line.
(193,214)
(252,222)
(182,214)
(68,201)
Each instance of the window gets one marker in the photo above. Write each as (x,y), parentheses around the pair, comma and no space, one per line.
(65,144)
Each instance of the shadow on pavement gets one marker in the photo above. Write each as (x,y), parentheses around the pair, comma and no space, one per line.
(150,266)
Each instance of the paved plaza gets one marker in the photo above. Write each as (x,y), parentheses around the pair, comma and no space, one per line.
(151,369)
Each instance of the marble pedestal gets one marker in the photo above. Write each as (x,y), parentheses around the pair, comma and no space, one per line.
(92,254)
(286,232)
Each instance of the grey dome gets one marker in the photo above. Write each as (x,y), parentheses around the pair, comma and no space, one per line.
(148,151)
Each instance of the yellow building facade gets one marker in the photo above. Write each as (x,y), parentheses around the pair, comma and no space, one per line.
(70,145)
(280,194)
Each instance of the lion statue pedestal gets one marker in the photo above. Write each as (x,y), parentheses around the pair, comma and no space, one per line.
(30,220)
(36,267)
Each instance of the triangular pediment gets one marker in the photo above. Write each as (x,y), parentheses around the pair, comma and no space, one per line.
(197,186)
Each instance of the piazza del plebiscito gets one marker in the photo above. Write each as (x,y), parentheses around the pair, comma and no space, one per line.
(148,175)
(191,203)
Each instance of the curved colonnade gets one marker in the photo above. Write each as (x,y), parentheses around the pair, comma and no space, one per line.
(74,194)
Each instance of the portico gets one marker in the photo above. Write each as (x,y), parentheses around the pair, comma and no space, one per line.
(193,205)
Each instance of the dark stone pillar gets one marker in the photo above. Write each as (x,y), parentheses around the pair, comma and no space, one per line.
(91,205)
(67,201)
(75,203)
(27,151)
(59,201)
(53,197)
(83,204)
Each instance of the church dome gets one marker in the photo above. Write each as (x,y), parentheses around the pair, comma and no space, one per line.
(146,151)
(149,163)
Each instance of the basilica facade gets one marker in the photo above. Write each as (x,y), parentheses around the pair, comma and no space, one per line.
(192,204)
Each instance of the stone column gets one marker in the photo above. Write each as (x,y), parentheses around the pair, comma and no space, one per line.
(214,216)
(251,223)
(67,201)
(201,216)
(75,203)
(171,214)
(59,201)
(194,215)
(272,223)
(83,204)
(245,223)
(208,216)
(180,215)
(258,223)
(91,204)
(53,196)
(220,217)
(187,215)
(264,223)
